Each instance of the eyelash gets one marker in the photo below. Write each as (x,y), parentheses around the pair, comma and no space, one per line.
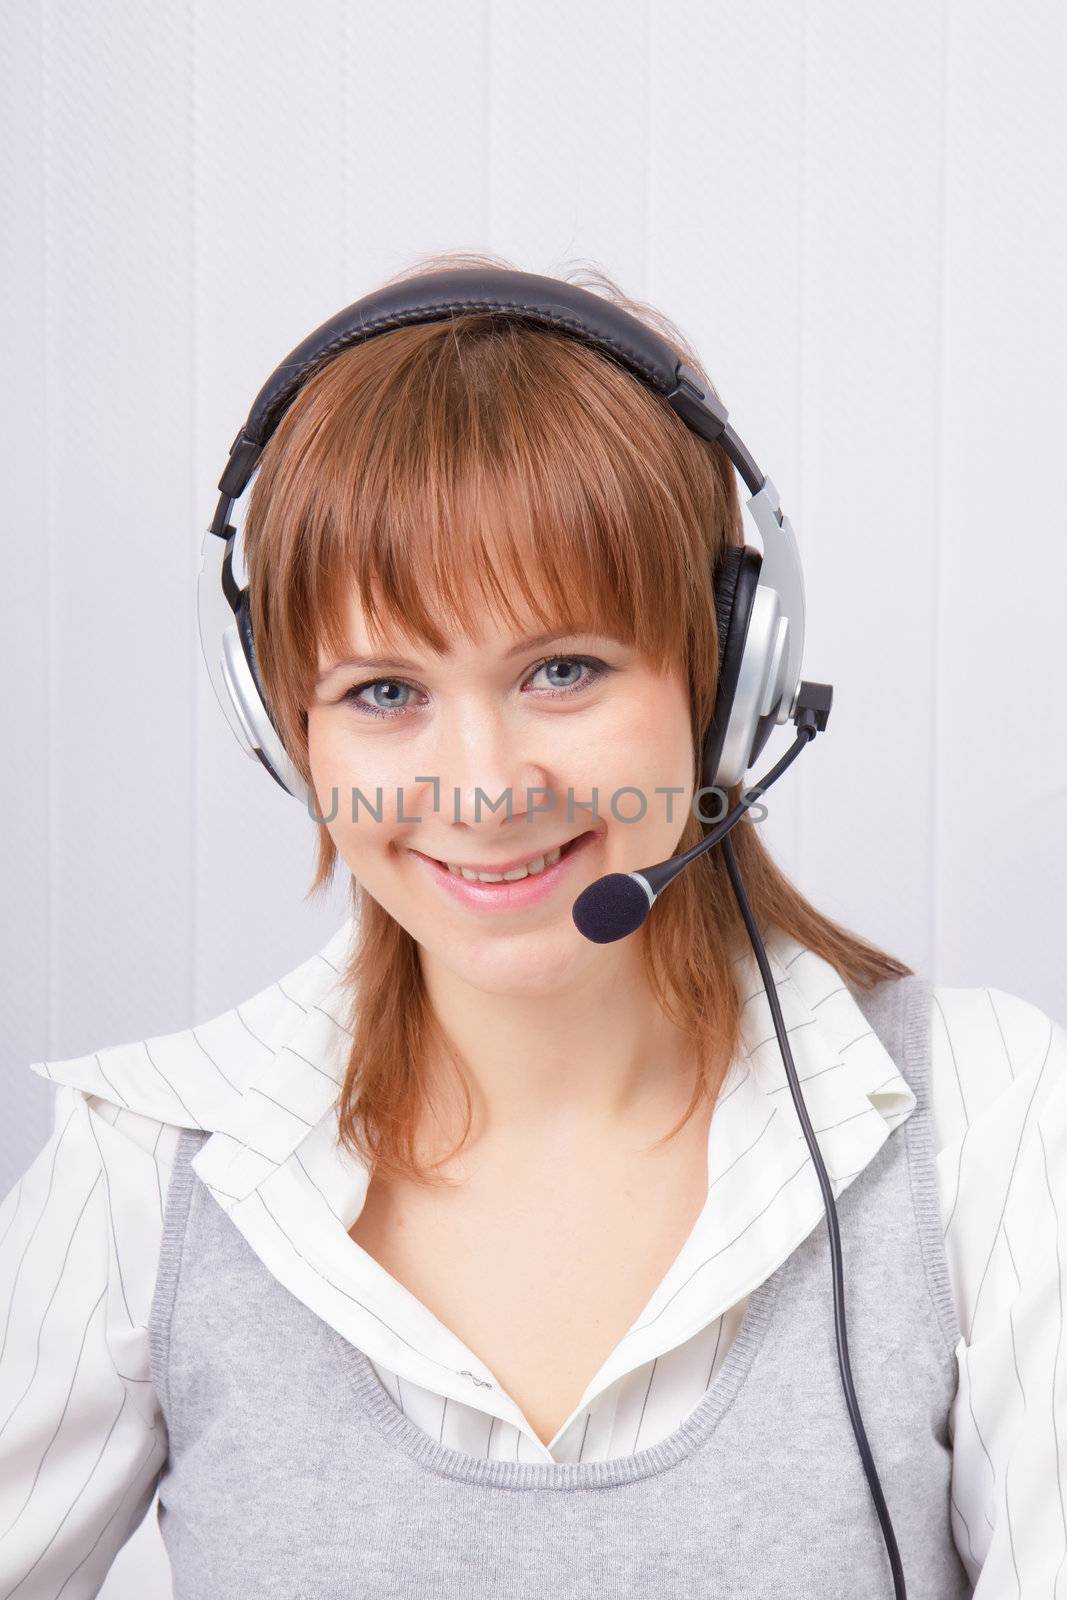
(598,668)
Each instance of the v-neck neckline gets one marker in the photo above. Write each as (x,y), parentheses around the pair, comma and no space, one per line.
(689,1436)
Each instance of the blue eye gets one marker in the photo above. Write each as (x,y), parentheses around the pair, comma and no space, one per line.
(375,711)
(573,661)
(594,668)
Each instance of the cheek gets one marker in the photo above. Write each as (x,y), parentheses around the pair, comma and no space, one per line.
(318,743)
(653,736)
(655,753)
(334,756)
(330,762)
(340,771)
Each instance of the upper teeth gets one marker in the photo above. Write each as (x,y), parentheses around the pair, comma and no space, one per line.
(537,865)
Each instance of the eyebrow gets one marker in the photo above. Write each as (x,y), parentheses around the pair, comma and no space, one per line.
(398,664)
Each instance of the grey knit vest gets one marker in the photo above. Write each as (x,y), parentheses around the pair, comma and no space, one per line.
(293,1474)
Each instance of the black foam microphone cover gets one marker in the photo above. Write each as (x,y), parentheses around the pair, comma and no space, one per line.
(611,908)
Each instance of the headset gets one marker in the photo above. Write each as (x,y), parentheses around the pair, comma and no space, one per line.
(759,608)
(759,600)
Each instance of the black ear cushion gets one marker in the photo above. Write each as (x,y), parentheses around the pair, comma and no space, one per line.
(244,630)
(736,581)
(243,618)
(725,590)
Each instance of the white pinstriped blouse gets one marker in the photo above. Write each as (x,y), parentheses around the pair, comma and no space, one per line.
(82,1437)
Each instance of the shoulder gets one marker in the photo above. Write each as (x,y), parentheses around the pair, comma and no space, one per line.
(995,1058)
(152,1088)
(999,1065)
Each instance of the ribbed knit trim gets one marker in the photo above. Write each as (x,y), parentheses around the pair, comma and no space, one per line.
(172,1244)
(693,1432)
(922,1165)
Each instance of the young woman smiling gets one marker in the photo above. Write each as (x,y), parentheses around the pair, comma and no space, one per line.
(473,1255)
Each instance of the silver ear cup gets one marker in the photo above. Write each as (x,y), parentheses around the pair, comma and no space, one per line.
(761,667)
(768,678)
(760,689)
(781,572)
(231,674)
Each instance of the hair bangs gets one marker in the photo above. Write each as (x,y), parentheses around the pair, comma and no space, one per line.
(508,472)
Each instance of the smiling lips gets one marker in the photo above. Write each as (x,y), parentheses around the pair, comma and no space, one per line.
(507,893)
(514,870)
(513,875)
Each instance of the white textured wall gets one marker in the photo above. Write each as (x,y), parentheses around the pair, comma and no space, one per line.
(856,211)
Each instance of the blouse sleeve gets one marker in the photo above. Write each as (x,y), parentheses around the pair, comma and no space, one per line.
(82,1437)
(1006,1244)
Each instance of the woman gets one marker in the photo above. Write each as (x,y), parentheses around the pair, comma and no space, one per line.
(473,1255)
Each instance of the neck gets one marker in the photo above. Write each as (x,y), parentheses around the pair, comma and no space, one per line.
(598,1058)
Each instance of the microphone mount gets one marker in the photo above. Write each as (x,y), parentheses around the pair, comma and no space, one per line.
(618,903)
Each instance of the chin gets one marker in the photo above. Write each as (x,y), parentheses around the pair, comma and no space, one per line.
(516,968)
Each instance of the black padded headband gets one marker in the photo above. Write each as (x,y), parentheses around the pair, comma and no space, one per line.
(546,302)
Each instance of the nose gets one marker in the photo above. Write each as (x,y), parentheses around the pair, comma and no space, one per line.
(487,770)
